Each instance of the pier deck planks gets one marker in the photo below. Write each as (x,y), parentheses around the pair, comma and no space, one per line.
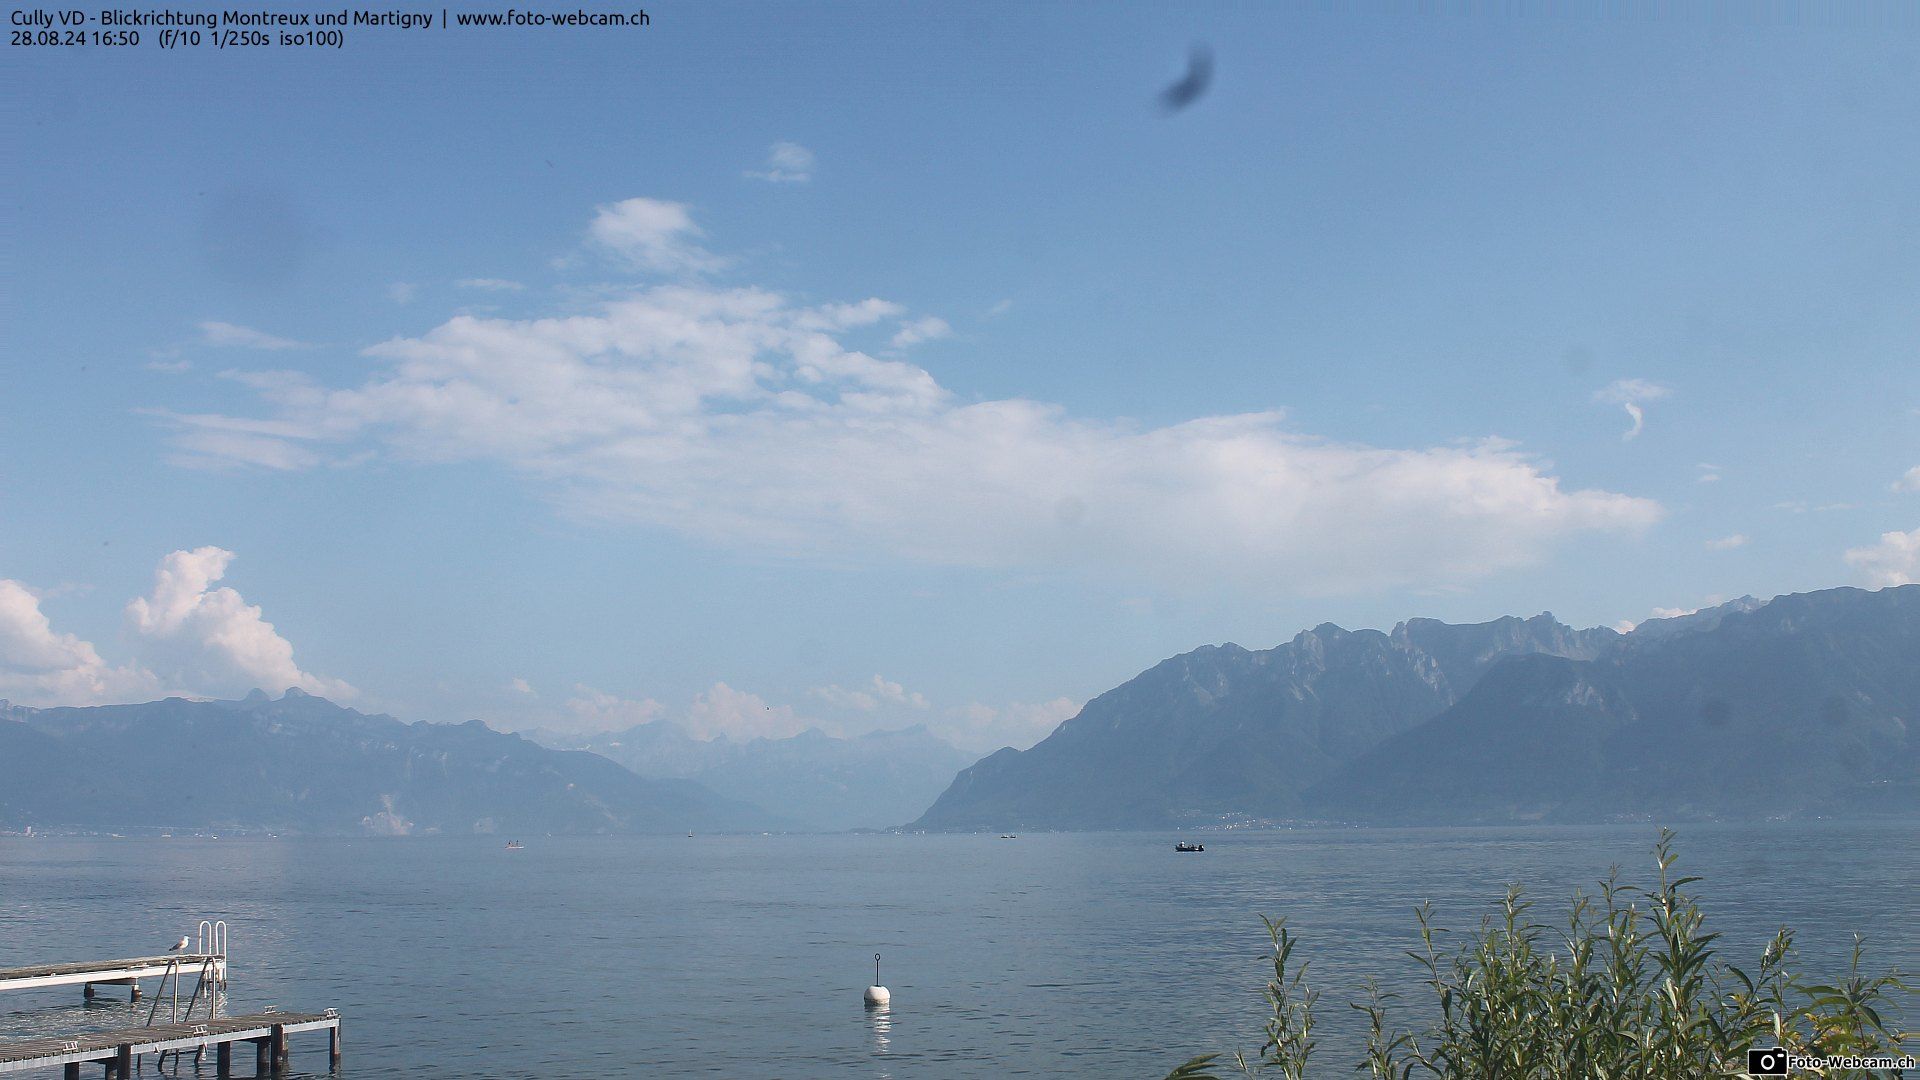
(19,1055)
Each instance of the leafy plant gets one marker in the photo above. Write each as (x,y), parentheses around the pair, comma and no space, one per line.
(1629,988)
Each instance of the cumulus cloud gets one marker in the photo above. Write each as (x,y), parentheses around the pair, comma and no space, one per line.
(738,715)
(210,640)
(40,666)
(1727,543)
(738,416)
(592,710)
(1910,481)
(1895,560)
(189,638)
(227,335)
(653,235)
(787,163)
(875,694)
(918,330)
(981,727)
(1629,394)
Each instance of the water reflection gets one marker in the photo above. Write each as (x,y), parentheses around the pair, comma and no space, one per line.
(880,1025)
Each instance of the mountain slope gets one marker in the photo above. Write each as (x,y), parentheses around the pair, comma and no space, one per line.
(1223,733)
(302,763)
(1801,705)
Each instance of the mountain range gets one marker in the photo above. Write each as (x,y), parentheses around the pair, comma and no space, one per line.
(817,781)
(300,763)
(1800,706)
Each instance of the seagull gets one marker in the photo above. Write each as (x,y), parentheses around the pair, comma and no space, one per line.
(181,945)
(1189,89)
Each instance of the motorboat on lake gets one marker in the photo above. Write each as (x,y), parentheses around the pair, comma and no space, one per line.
(1182,845)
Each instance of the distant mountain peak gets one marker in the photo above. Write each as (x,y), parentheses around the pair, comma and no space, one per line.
(305,764)
(1504,720)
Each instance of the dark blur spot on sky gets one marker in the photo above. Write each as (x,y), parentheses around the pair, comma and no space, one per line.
(1193,85)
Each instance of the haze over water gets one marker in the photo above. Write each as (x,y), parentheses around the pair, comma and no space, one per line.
(1061,955)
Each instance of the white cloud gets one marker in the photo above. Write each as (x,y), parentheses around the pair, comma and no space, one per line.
(211,441)
(591,710)
(170,367)
(787,163)
(873,695)
(740,715)
(1910,481)
(227,335)
(1895,560)
(653,235)
(1629,394)
(1021,724)
(402,292)
(189,638)
(738,416)
(846,316)
(227,449)
(1671,612)
(488,284)
(520,686)
(39,666)
(1709,474)
(999,308)
(1727,543)
(209,640)
(927,328)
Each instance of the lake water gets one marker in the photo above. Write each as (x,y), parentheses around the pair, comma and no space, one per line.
(1069,955)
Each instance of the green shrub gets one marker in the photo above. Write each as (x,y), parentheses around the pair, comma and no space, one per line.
(1628,987)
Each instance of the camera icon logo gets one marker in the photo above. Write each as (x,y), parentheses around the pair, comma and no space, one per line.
(1769,1061)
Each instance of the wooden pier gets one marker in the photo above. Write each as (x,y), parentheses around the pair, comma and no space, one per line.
(116,1050)
(127,972)
(119,1052)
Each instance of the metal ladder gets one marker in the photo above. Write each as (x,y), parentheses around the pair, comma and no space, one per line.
(210,943)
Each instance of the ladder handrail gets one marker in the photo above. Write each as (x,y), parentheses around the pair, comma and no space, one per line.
(211,938)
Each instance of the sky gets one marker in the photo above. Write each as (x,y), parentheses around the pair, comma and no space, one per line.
(859,365)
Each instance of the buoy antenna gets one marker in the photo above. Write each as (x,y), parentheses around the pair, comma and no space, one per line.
(877,995)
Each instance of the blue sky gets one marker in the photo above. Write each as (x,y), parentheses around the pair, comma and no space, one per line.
(861,366)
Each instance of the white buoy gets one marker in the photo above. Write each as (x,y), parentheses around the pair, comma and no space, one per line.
(876,994)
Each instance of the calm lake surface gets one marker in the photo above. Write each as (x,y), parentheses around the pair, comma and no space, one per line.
(1065,955)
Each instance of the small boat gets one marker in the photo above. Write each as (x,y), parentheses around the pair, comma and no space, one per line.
(1182,845)
(514,845)
(1008,836)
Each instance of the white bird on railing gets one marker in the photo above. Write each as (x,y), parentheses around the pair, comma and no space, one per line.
(181,945)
